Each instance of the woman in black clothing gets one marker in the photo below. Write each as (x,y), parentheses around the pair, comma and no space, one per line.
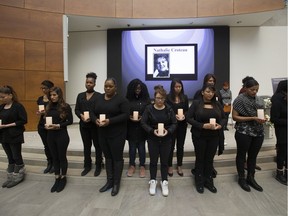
(57,135)
(279,118)
(84,103)
(178,100)
(207,119)
(112,132)
(13,118)
(159,142)
(138,97)
(46,85)
(249,133)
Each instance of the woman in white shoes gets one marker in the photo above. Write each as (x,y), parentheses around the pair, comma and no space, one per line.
(160,122)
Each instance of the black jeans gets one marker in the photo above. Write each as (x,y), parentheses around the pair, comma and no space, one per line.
(88,136)
(14,153)
(43,135)
(155,149)
(140,146)
(205,150)
(58,141)
(247,145)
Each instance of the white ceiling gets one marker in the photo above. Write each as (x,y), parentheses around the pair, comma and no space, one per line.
(87,23)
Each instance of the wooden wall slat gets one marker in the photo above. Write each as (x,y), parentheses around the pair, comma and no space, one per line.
(54,56)
(244,6)
(28,24)
(164,8)
(215,8)
(44,5)
(34,79)
(33,119)
(124,8)
(35,55)
(14,3)
(57,78)
(11,53)
(101,8)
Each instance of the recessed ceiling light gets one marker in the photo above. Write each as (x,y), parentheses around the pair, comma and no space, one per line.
(239,22)
(98,26)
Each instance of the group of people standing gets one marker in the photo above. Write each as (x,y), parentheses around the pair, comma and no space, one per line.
(107,120)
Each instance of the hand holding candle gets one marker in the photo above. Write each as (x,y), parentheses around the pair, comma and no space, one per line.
(160,129)
(180,113)
(102,117)
(41,108)
(135,115)
(86,115)
(260,114)
(49,120)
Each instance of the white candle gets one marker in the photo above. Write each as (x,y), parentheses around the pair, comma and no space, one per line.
(135,115)
(102,117)
(0,121)
(260,113)
(41,108)
(86,115)
(212,121)
(160,128)
(48,120)
(180,112)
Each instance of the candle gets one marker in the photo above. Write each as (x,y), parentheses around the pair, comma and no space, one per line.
(180,112)
(0,121)
(48,120)
(213,121)
(86,115)
(102,117)
(135,115)
(160,128)
(260,113)
(41,108)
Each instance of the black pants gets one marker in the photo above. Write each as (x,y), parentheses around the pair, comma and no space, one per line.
(178,140)
(247,145)
(58,141)
(155,149)
(88,136)
(205,150)
(13,152)
(133,147)
(43,135)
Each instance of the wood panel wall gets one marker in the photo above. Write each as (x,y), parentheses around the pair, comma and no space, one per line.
(31,41)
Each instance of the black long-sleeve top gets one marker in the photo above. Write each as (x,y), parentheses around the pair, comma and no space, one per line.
(182,105)
(82,105)
(151,117)
(16,113)
(54,113)
(116,110)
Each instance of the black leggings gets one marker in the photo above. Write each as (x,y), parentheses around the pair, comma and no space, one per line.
(43,135)
(247,145)
(58,141)
(13,152)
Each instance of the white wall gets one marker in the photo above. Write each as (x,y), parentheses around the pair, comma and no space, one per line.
(260,52)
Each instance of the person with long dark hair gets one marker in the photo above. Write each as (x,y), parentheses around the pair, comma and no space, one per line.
(13,118)
(138,97)
(279,119)
(60,115)
(111,114)
(179,103)
(249,133)
(89,133)
(160,122)
(207,119)
(42,103)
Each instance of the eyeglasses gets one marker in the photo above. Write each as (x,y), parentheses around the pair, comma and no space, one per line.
(159,98)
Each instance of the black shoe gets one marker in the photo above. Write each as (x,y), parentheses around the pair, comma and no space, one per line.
(280,177)
(243,184)
(48,168)
(210,187)
(257,167)
(214,173)
(55,186)
(107,186)
(115,190)
(193,171)
(52,170)
(251,181)
(62,184)
(85,171)
(97,170)
(200,188)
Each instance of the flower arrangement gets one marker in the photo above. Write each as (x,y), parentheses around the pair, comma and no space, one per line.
(268,122)
(267,103)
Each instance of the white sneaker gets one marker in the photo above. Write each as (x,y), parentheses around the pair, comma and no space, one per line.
(152,188)
(164,186)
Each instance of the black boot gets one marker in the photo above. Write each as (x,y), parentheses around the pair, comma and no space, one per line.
(251,181)
(118,168)
(109,173)
(49,167)
(98,169)
(62,184)
(280,177)
(55,185)
(86,171)
(243,184)
(214,173)
(209,184)
(199,182)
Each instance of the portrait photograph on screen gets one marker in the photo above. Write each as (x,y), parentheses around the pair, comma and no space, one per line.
(156,56)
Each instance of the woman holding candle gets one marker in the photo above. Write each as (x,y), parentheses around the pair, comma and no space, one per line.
(13,116)
(155,116)
(57,135)
(112,132)
(42,102)
(179,103)
(207,119)
(138,97)
(249,133)
(89,133)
